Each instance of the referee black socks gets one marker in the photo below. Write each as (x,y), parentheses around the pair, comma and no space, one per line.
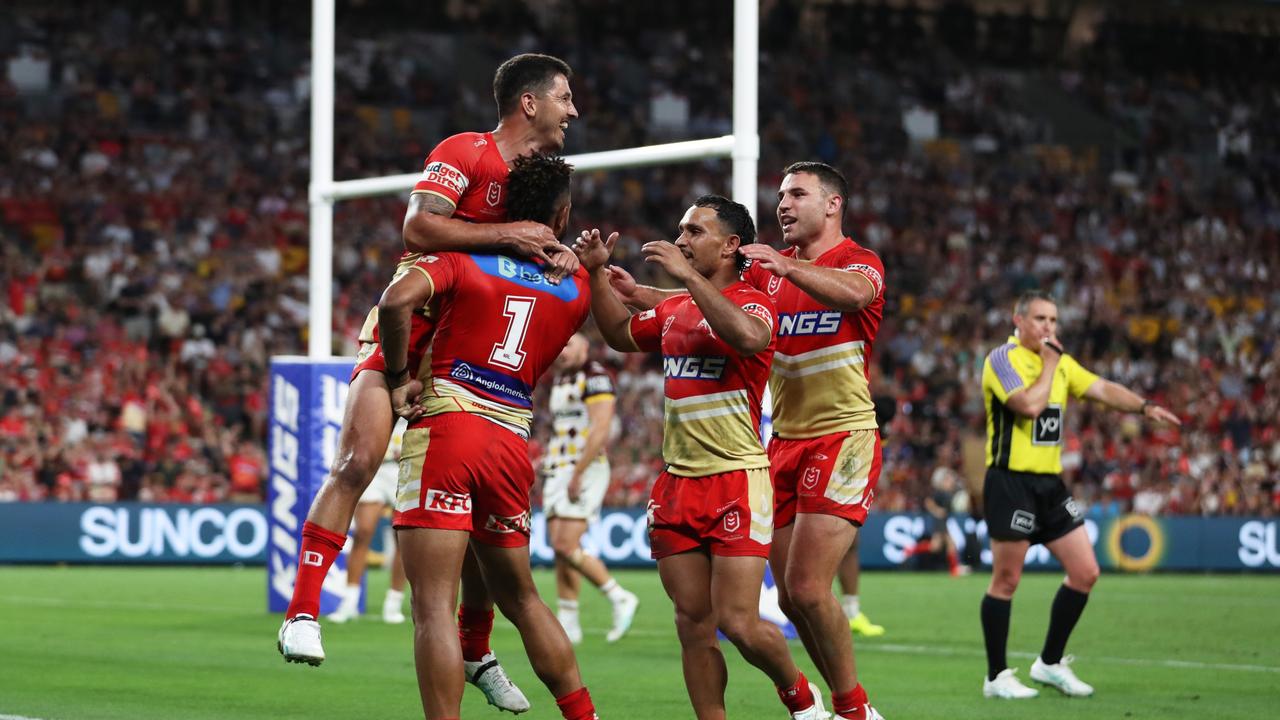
(1068,604)
(995,630)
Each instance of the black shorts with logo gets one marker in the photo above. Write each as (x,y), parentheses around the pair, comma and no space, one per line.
(1028,506)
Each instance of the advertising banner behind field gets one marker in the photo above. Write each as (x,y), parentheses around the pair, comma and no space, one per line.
(138,533)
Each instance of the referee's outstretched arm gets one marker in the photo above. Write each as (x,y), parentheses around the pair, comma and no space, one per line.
(1118,397)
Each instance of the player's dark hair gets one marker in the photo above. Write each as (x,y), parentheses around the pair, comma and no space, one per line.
(831,179)
(735,218)
(529,72)
(537,187)
(1025,299)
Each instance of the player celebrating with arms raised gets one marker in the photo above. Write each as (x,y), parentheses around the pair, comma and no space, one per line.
(465,474)
(711,510)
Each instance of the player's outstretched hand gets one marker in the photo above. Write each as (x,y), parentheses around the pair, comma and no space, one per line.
(1161,415)
(592,251)
(623,284)
(768,258)
(670,257)
(404,400)
(564,263)
(528,239)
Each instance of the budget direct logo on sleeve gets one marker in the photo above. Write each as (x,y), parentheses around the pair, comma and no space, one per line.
(445,175)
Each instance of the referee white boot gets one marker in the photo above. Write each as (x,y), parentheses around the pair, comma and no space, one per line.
(1060,676)
(299,640)
(1007,686)
(498,689)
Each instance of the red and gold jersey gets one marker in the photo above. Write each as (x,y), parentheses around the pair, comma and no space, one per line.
(571,393)
(819,380)
(713,394)
(467,170)
(499,326)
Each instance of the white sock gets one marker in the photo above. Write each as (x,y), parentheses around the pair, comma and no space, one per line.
(613,591)
(851,606)
(351,598)
(568,609)
(393,599)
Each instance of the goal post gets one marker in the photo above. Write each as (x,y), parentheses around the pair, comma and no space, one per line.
(742,147)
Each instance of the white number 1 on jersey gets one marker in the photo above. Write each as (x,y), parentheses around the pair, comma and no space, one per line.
(508,353)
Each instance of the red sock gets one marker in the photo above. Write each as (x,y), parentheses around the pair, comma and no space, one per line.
(797,697)
(577,705)
(851,705)
(320,548)
(474,628)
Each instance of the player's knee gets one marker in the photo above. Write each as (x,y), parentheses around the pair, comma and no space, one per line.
(566,549)
(363,536)
(807,596)
(1004,583)
(1083,579)
(693,629)
(353,472)
(738,627)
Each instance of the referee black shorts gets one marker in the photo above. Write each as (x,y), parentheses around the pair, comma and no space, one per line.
(1028,506)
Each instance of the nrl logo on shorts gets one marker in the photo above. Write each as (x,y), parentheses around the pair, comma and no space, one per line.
(666,325)
(649,511)
(775,284)
(732,521)
(1073,509)
(508,523)
(1023,522)
(810,480)
(494,196)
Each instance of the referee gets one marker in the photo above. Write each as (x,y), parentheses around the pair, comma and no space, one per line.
(1025,386)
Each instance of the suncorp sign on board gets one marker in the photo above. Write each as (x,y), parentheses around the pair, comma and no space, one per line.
(166,533)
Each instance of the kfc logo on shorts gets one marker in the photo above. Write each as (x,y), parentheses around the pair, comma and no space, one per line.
(494,195)
(775,284)
(508,523)
(447,502)
(732,522)
(1023,521)
(446,176)
(810,479)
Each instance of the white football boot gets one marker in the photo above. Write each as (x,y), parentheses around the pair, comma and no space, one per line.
(624,612)
(815,711)
(498,689)
(299,640)
(1007,686)
(1061,677)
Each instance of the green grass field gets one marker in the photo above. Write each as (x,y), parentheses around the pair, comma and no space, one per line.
(100,643)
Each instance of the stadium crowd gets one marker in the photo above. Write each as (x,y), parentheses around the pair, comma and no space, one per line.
(153,221)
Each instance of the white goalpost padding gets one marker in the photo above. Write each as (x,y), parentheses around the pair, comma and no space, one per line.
(743,147)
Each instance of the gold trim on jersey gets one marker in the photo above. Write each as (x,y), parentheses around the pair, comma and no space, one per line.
(599,397)
(848,354)
(433,192)
(442,395)
(710,434)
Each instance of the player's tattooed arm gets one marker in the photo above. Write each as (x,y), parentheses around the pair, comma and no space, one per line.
(429,226)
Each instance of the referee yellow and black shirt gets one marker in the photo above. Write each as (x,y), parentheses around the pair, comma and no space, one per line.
(1022,444)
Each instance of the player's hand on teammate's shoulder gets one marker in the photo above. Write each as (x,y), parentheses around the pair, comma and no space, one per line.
(404,400)
(592,250)
(528,239)
(564,263)
(768,259)
(670,257)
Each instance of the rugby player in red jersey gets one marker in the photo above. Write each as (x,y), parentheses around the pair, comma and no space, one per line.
(825,453)
(711,510)
(465,475)
(458,204)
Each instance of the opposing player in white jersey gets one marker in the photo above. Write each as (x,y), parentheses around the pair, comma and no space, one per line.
(380,495)
(575,476)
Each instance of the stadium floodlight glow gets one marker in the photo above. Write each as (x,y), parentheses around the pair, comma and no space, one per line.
(743,146)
